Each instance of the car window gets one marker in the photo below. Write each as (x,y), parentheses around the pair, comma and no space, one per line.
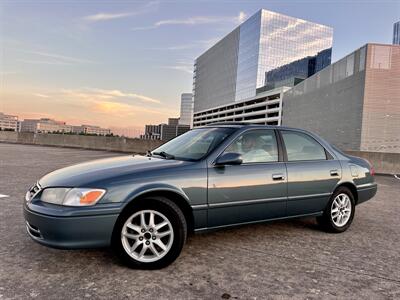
(256,146)
(194,144)
(300,146)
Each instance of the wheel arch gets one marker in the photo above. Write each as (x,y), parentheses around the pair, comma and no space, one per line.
(171,194)
(351,187)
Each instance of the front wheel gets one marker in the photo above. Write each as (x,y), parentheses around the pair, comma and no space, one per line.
(339,212)
(151,234)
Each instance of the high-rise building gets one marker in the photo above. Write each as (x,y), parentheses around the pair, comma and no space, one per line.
(186,109)
(164,132)
(234,69)
(173,121)
(354,103)
(295,72)
(8,122)
(396,33)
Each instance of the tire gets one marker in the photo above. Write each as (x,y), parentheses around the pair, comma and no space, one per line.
(131,235)
(337,217)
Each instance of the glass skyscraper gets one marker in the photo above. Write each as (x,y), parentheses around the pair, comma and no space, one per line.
(234,68)
(186,109)
(396,33)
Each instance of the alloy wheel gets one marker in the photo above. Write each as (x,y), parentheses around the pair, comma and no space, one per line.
(341,210)
(147,236)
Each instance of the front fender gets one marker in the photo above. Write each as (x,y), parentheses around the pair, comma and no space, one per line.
(154,187)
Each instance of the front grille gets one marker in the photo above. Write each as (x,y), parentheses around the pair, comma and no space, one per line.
(33,191)
(33,230)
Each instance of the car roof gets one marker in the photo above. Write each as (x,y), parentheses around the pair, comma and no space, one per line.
(238,125)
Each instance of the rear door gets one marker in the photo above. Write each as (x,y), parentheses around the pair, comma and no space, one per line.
(312,173)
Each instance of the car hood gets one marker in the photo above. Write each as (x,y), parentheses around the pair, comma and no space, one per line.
(89,173)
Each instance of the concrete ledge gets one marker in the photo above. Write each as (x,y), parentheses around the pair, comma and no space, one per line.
(384,163)
(119,144)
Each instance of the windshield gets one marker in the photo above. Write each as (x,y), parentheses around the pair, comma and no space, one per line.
(194,144)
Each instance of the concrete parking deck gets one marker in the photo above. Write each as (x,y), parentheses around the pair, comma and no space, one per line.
(291,259)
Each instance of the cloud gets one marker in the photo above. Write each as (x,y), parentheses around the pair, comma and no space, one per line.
(105,17)
(6,73)
(202,44)
(117,108)
(94,94)
(182,65)
(117,93)
(242,17)
(41,95)
(197,20)
(53,58)
(44,62)
(173,48)
(99,17)
(110,107)
(184,68)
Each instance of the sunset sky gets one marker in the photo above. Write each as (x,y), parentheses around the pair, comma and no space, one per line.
(124,64)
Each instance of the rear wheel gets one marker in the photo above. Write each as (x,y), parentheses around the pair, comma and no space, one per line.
(339,212)
(151,234)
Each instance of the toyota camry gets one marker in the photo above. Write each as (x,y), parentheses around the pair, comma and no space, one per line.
(211,177)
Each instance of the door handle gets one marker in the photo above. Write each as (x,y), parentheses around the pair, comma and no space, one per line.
(334,172)
(278,177)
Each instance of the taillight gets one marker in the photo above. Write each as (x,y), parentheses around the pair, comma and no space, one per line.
(372,171)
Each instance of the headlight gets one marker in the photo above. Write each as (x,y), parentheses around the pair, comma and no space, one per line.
(72,197)
(54,195)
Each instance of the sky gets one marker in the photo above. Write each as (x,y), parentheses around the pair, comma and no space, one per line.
(123,64)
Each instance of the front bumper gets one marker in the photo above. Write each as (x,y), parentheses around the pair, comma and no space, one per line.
(70,232)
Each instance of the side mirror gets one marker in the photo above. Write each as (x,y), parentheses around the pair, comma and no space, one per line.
(229,159)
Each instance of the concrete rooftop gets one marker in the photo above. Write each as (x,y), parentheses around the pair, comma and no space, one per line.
(291,259)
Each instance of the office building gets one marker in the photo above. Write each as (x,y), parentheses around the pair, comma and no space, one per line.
(173,121)
(91,130)
(354,103)
(232,71)
(295,72)
(8,122)
(164,132)
(396,33)
(186,109)
(151,132)
(45,125)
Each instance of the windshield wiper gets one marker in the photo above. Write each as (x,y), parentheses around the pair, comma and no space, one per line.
(164,154)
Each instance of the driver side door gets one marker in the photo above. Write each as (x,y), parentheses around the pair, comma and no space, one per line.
(253,191)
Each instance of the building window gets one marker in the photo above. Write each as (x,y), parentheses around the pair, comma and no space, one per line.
(350,65)
(362,59)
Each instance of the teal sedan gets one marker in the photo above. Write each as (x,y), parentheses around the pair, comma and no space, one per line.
(211,177)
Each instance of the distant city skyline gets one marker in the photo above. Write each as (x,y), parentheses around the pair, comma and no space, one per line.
(125,64)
